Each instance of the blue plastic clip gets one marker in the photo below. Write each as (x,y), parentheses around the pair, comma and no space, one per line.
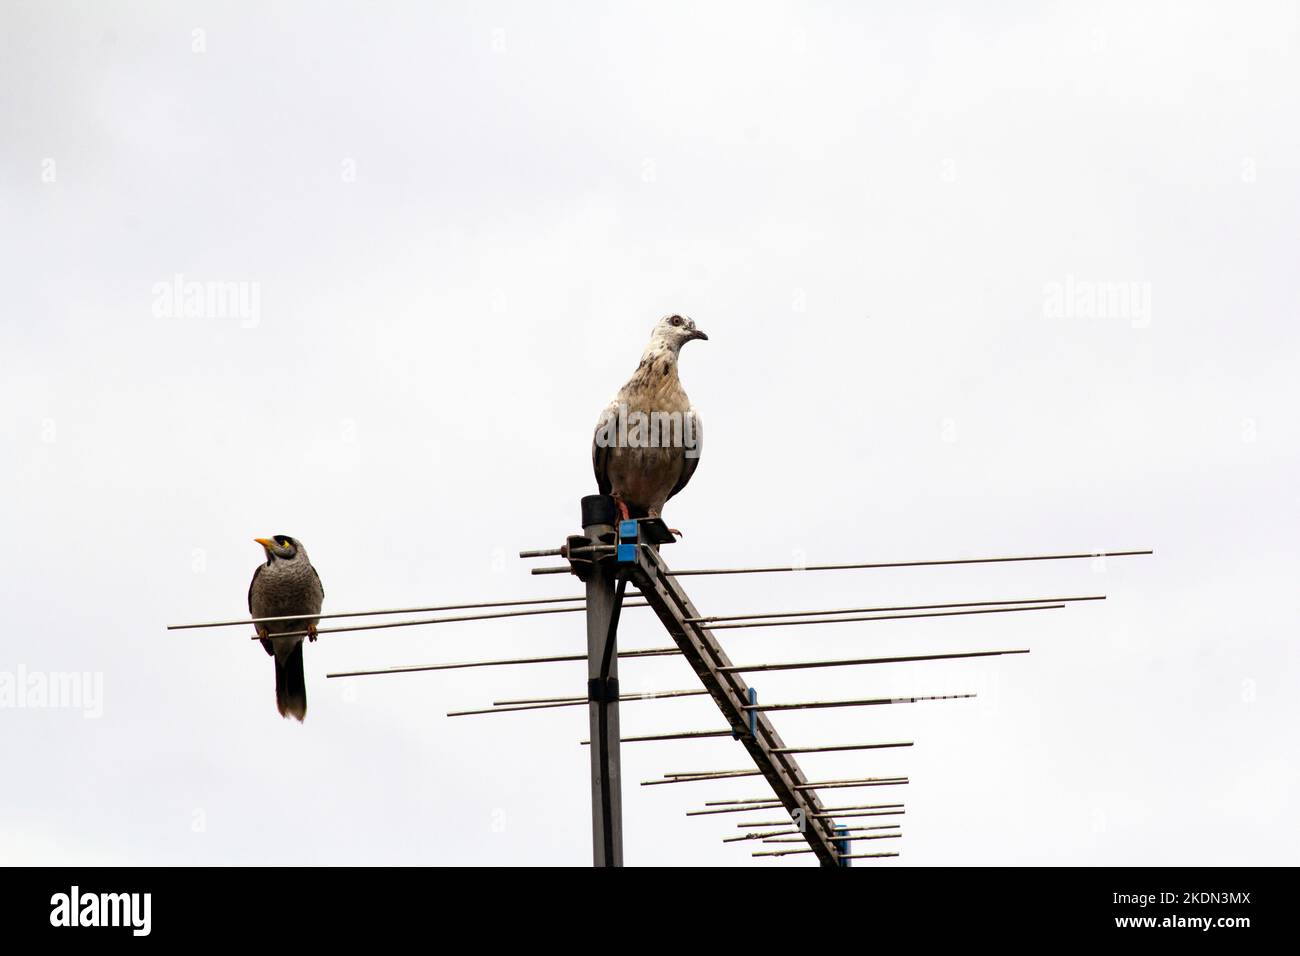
(753,717)
(628,533)
(843,845)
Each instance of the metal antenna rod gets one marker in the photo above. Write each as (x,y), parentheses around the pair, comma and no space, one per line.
(865,782)
(575,703)
(838,747)
(538,700)
(723,803)
(691,778)
(870,702)
(571,610)
(702,773)
(682,735)
(883,781)
(753,836)
(902,607)
(882,836)
(832,813)
(746,808)
(799,839)
(865,806)
(765,834)
(885,617)
(757,836)
(397,610)
(668,652)
(558,700)
(878,826)
(786,823)
(803,665)
(664,652)
(415,668)
(911,564)
(541,553)
(439,620)
(706,773)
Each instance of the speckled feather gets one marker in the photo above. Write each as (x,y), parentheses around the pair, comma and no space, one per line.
(282,587)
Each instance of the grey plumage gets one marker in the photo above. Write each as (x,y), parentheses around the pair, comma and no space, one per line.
(286,584)
(648,440)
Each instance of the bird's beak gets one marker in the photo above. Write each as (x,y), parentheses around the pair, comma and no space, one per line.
(265,542)
(697,334)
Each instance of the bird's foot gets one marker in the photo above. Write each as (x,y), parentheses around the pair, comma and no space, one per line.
(656,516)
(311,634)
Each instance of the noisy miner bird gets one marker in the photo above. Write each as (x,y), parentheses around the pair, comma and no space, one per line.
(287,584)
(648,440)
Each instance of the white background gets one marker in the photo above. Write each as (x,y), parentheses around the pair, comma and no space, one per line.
(463,221)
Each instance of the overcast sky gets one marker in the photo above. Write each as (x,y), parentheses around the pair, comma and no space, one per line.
(976,283)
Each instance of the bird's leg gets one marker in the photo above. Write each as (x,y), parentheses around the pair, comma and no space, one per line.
(623,513)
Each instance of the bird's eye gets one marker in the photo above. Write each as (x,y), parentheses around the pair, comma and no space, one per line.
(676,320)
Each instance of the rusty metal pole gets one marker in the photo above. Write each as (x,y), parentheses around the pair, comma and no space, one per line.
(604,597)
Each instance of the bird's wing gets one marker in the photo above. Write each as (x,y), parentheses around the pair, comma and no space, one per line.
(316,574)
(691,461)
(261,628)
(252,584)
(608,425)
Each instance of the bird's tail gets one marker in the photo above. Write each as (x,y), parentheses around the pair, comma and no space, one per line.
(291,684)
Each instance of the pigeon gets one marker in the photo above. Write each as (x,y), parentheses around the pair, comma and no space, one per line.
(648,440)
(286,584)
